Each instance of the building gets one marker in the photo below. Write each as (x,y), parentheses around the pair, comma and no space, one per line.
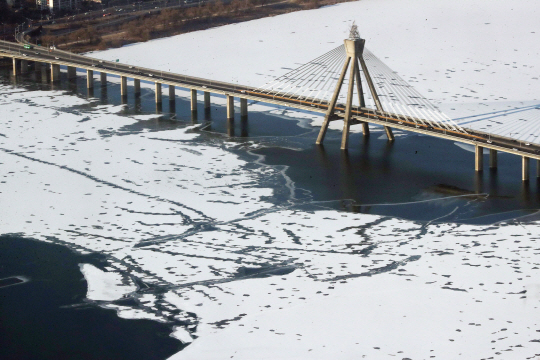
(56,5)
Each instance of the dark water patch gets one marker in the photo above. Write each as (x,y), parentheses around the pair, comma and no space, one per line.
(454,289)
(417,178)
(264,271)
(451,190)
(380,270)
(223,323)
(38,321)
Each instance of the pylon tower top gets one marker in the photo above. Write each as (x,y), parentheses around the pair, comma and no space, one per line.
(354,45)
(353,33)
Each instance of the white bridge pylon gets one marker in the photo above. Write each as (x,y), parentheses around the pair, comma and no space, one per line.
(322,82)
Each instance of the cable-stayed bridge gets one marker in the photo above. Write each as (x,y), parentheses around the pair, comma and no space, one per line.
(348,83)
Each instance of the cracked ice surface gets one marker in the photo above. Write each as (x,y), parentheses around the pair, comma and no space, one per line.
(189,223)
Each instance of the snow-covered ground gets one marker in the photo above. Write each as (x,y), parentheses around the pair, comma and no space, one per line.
(190,224)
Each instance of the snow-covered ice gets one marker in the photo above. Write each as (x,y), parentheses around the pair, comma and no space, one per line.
(102,285)
(243,277)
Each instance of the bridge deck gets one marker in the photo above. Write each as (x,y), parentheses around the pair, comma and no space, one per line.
(397,121)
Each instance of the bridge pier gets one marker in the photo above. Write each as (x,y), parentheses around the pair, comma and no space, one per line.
(206,100)
(24,66)
(123,86)
(389,133)
(388,130)
(365,128)
(137,85)
(104,93)
(525,168)
(230,107)
(243,108)
(244,131)
(55,73)
(332,106)
(71,72)
(89,79)
(123,89)
(172,99)
(492,159)
(354,47)
(158,93)
(103,78)
(193,100)
(230,127)
(44,71)
(348,106)
(15,67)
(478,158)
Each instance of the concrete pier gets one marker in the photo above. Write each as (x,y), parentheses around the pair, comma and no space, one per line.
(44,71)
(89,79)
(15,67)
(158,93)
(71,72)
(525,168)
(55,72)
(492,159)
(172,99)
(478,158)
(123,86)
(193,100)
(244,131)
(365,128)
(243,108)
(104,94)
(206,100)
(230,127)
(103,78)
(137,87)
(24,66)
(230,107)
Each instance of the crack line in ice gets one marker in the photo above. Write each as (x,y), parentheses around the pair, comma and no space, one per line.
(186,219)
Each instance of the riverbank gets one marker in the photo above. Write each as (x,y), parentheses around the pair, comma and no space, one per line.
(84,37)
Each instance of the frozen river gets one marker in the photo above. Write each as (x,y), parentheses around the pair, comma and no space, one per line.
(262,245)
(217,236)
